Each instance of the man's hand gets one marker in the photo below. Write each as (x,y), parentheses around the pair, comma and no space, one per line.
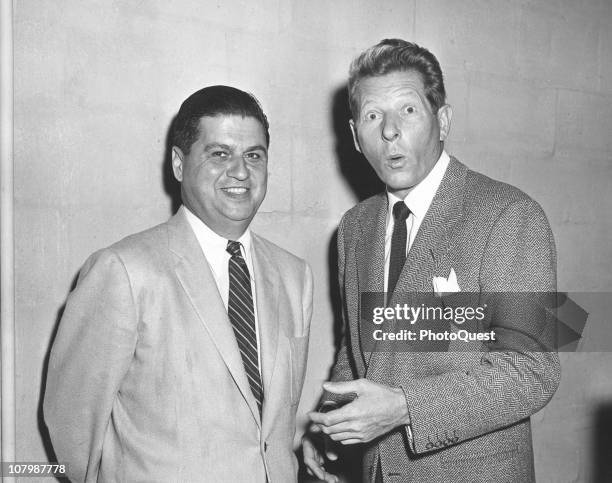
(375,411)
(314,461)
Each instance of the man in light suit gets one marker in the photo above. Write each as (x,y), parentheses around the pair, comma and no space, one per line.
(460,414)
(181,352)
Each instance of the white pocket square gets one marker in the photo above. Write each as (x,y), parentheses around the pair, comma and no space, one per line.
(444,286)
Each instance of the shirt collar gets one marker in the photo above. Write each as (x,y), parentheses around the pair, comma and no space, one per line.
(419,198)
(211,242)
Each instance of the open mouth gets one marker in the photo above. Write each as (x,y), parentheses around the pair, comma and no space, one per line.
(395,160)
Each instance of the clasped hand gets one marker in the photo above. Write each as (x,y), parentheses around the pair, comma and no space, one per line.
(375,411)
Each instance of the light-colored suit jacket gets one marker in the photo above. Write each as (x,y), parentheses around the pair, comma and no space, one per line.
(146,382)
(469,406)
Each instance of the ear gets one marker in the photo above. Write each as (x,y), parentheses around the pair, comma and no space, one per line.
(355,137)
(177,163)
(445,114)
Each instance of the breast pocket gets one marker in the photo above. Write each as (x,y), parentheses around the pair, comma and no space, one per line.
(298,352)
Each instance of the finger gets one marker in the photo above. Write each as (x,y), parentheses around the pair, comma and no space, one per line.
(330,450)
(351,441)
(340,437)
(315,468)
(317,418)
(333,417)
(343,427)
(312,459)
(342,387)
(314,462)
(331,455)
(318,471)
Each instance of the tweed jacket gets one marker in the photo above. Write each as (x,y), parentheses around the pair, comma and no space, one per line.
(470,405)
(146,381)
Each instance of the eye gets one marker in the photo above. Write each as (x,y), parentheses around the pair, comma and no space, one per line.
(409,110)
(252,156)
(371,116)
(219,154)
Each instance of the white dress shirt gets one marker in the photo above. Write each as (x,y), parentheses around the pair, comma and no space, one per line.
(214,248)
(418,201)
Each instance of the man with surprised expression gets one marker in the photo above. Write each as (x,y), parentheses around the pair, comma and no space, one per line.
(398,130)
(183,348)
(461,415)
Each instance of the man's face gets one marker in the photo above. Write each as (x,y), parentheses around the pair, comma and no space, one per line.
(224,176)
(397,130)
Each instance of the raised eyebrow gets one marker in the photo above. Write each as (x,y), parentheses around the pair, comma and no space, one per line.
(367,104)
(411,95)
(365,109)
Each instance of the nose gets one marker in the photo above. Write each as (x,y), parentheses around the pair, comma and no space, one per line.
(237,168)
(390,127)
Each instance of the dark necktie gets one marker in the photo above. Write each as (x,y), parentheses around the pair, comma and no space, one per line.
(242,316)
(398,245)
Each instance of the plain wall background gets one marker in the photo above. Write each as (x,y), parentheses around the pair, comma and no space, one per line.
(97,84)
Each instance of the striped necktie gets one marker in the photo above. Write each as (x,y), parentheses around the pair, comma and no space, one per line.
(242,316)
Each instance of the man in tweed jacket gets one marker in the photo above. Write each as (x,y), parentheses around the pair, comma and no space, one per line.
(460,415)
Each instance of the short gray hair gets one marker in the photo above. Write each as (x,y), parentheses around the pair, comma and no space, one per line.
(393,55)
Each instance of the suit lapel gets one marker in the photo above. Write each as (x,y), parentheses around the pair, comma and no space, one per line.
(370,247)
(370,256)
(266,286)
(198,282)
(432,241)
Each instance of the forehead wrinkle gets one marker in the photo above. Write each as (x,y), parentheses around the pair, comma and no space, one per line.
(404,83)
(398,94)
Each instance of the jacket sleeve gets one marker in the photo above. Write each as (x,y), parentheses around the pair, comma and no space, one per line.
(520,372)
(342,369)
(91,353)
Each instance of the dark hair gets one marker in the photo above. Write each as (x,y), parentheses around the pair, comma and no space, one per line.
(392,55)
(213,101)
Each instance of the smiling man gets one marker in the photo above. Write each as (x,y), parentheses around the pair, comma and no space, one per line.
(181,352)
(460,415)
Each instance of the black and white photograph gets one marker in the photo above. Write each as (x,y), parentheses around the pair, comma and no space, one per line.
(285,241)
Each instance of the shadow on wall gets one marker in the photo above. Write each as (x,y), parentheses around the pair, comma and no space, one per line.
(334,291)
(602,444)
(364,183)
(42,427)
(355,169)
